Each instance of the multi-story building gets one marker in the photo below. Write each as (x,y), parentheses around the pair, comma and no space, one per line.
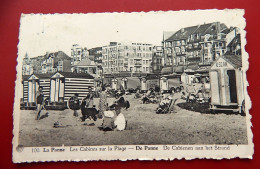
(57,61)
(27,65)
(95,54)
(157,59)
(131,57)
(234,47)
(197,44)
(78,53)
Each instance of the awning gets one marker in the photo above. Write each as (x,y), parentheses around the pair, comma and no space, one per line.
(192,67)
(167,70)
(178,69)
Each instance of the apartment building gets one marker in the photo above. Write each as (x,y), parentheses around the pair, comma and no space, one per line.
(57,61)
(157,59)
(127,57)
(27,68)
(78,53)
(197,44)
(95,54)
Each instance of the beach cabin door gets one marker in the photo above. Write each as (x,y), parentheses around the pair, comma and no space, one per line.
(214,81)
(33,85)
(232,86)
(57,88)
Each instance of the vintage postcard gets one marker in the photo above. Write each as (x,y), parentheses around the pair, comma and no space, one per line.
(123,86)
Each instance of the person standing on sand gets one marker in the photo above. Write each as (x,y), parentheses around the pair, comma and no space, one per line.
(74,104)
(102,101)
(39,102)
(90,98)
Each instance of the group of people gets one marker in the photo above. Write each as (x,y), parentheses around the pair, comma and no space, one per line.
(189,93)
(109,113)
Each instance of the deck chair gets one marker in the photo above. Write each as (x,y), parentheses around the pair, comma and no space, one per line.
(170,106)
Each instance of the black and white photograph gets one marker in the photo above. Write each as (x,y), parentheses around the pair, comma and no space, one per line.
(156,85)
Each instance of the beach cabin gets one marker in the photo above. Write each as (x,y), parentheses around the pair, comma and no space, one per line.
(164,84)
(124,82)
(30,87)
(143,85)
(187,77)
(226,81)
(114,84)
(24,99)
(64,85)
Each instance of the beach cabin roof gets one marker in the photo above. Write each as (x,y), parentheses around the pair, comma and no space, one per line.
(228,61)
(40,76)
(73,75)
(235,60)
(25,77)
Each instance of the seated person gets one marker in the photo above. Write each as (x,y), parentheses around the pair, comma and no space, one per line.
(115,120)
(183,96)
(145,99)
(120,122)
(108,121)
(163,104)
(200,97)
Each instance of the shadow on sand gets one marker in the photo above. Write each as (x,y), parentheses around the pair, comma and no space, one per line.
(203,108)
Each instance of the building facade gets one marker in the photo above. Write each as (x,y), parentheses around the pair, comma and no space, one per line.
(78,53)
(200,44)
(234,47)
(95,54)
(27,68)
(157,59)
(127,57)
(57,61)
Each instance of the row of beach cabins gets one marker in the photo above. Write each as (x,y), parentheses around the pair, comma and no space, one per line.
(57,88)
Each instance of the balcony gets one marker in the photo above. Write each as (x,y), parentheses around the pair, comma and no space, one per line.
(180,53)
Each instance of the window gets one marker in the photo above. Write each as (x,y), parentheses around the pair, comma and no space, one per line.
(182,49)
(178,43)
(168,44)
(183,42)
(177,50)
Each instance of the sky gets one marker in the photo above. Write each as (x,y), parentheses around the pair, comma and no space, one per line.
(41,33)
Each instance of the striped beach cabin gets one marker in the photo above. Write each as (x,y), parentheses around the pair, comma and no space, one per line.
(63,85)
(31,84)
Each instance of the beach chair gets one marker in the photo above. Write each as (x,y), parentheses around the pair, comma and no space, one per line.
(168,108)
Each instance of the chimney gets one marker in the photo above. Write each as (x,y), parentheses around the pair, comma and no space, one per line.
(218,27)
(182,30)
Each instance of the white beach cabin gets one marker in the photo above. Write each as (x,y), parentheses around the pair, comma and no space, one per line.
(226,81)
(64,85)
